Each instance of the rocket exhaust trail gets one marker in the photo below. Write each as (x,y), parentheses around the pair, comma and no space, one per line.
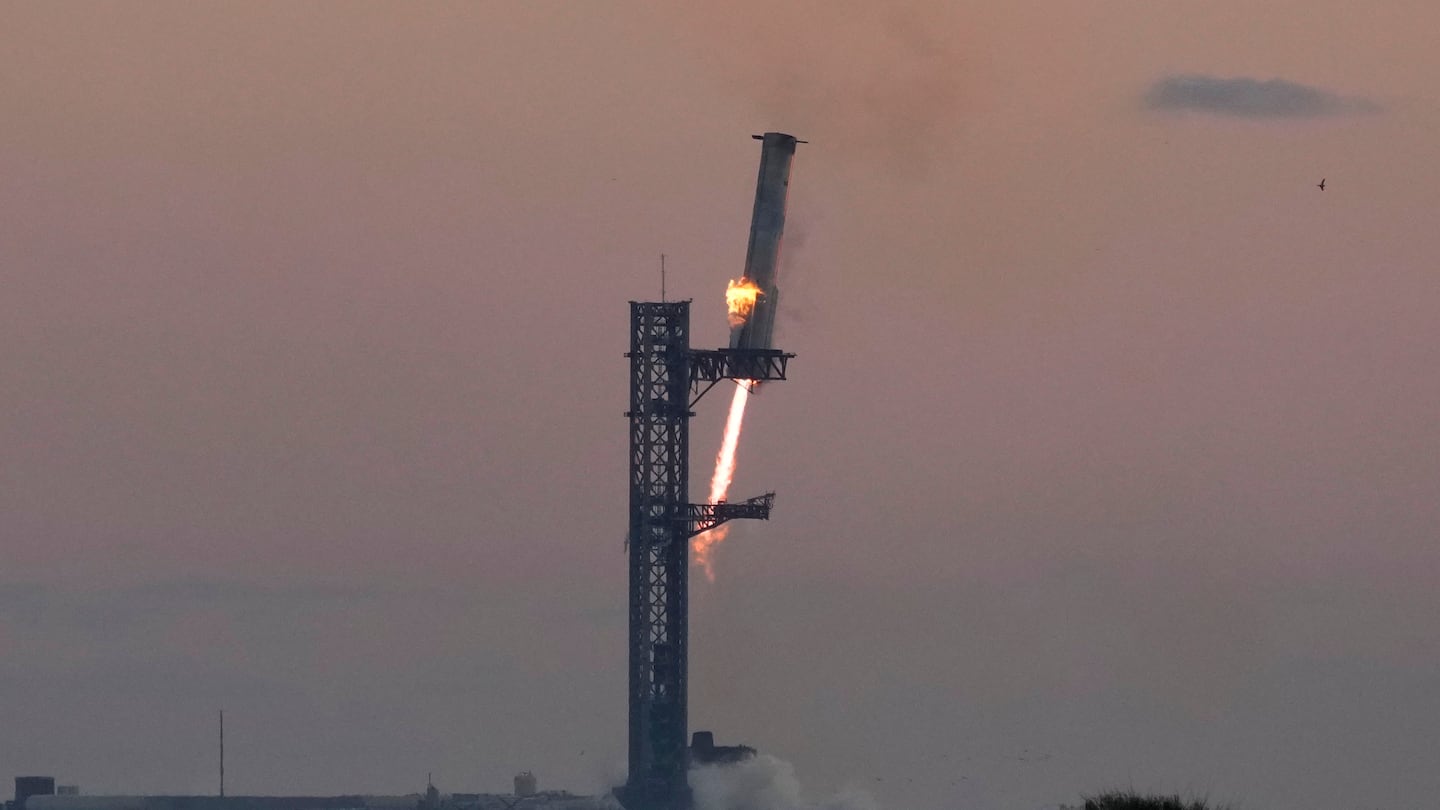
(703,544)
(751,304)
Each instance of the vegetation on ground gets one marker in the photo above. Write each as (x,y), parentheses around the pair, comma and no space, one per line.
(1122,800)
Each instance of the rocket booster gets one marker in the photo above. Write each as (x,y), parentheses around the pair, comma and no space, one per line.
(767,225)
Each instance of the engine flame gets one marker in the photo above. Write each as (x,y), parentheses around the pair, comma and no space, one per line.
(740,299)
(703,544)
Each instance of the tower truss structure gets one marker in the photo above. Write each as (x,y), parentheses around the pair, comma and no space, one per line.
(664,375)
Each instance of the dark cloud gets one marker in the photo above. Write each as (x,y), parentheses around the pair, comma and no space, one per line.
(1250,98)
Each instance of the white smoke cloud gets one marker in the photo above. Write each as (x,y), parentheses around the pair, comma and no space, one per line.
(764,782)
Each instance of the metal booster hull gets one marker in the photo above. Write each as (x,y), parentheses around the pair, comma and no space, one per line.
(767,225)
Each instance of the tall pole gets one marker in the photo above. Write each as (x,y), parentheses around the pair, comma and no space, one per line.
(222,753)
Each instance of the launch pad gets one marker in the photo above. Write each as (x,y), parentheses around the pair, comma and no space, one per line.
(667,378)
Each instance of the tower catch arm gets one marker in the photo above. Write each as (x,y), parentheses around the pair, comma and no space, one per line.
(706,516)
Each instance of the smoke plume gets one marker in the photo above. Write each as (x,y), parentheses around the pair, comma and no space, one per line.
(764,783)
(883,79)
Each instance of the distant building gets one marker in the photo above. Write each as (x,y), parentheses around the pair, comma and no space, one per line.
(541,800)
(41,793)
(525,784)
(30,786)
(77,802)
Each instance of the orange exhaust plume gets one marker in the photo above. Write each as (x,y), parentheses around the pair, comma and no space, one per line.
(703,544)
(740,299)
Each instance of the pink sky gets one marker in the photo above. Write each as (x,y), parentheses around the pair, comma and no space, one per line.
(1110,438)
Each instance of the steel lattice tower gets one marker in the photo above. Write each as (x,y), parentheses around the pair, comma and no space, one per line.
(664,376)
(659,552)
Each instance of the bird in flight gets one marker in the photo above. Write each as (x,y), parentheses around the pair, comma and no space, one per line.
(1322,184)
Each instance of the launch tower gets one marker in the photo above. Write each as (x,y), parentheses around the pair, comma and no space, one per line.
(667,378)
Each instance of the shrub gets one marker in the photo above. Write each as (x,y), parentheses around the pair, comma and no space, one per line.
(1119,800)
